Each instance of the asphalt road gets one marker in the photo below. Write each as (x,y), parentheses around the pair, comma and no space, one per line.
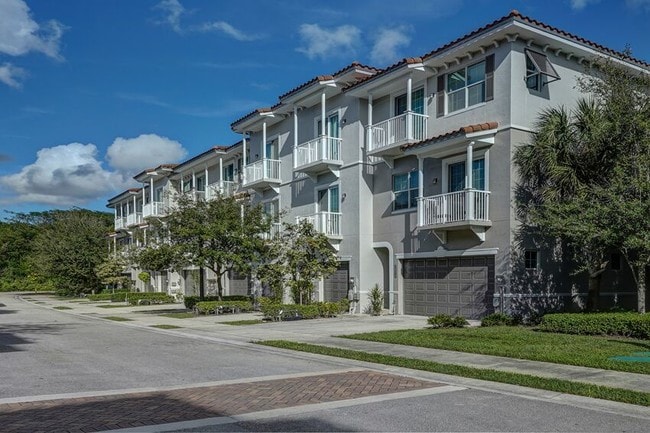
(45,352)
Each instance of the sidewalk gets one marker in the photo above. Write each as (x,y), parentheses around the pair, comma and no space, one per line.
(322,332)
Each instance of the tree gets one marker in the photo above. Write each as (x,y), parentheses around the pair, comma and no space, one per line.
(16,236)
(224,234)
(584,177)
(300,255)
(70,246)
(111,272)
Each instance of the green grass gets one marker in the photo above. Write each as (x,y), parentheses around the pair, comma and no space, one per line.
(242,322)
(117,318)
(62,307)
(165,326)
(113,306)
(181,315)
(556,385)
(523,343)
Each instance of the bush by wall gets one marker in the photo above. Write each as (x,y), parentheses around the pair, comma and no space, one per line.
(278,312)
(446,321)
(215,307)
(138,298)
(624,324)
(106,296)
(190,301)
(498,319)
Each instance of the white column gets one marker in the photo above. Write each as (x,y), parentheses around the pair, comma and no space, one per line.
(469,192)
(151,194)
(206,182)
(409,107)
(323,114)
(295,136)
(369,122)
(243,165)
(264,140)
(193,184)
(221,175)
(420,190)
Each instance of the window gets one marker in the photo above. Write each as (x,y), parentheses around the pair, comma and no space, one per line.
(405,190)
(615,262)
(456,175)
(229,172)
(158,194)
(531,259)
(417,102)
(200,184)
(272,209)
(272,149)
(328,200)
(187,184)
(538,70)
(466,87)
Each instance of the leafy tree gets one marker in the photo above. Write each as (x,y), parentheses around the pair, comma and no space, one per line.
(585,175)
(300,255)
(70,246)
(16,236)
(111,272)
(223,235)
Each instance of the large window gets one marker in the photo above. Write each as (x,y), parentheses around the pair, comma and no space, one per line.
(531,259)
(229,172)
(328,200)
(405,190)
(466,87)
(417,102)
(456,175)
(539,70)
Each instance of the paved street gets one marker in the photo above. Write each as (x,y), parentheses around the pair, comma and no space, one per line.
(71,370)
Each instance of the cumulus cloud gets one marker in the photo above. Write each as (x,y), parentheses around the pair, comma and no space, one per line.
(228,29)
(388,43)
(581,4)
(68,174)
(172,10)
(323,43)
(12,75)
(131,155)
(20,34)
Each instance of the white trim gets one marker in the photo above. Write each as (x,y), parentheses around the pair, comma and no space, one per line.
(448,253)
(391,274)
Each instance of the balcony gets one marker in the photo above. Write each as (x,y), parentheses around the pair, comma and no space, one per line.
(386,137)
(274,231)
(468,209)
(262,174)
(133,219)
(327,223)
(154,209)
(120,223)
(226,188)
(317,156)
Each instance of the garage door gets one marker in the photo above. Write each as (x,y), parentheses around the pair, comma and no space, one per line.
(336,285)
(458,286)
(237,284)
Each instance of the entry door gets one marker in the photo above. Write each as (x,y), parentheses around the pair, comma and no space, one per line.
(328,199)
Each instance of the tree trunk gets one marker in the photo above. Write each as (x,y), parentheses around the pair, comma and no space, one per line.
(641,288)
(201,284)
(219,274)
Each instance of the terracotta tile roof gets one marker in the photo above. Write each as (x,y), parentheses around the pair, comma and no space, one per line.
(458,132)
(252,114)
(124,193)
(147,170)
(511,16)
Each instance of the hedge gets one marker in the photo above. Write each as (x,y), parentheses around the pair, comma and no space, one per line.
(106,296)
(190,301)
(275,312)
(624,324)
(215,307)
(446,321)
(135,298)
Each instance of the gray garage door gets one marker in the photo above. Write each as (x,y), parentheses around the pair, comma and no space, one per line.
(336,285)
(237,284)
(462,286)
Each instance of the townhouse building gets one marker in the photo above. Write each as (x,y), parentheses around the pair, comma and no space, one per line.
(408,171)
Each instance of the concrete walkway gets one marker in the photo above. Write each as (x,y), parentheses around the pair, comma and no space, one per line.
(323,332)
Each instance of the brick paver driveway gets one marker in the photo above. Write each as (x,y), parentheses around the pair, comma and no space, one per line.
(89,414)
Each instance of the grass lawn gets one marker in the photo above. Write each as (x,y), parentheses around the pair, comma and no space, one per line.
(62,307)
(523,343)
(242,322)
(113,306)
(164,326)
(557,385)
(181,315)
(118,319)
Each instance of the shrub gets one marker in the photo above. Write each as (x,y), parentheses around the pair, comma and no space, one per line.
(446,321)
(375,301)
(190,301)
(274,311)
(624,324)
(213,307)
(498,319)
(136,298)
(106,296)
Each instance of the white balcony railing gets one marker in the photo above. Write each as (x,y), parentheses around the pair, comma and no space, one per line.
(120,223)
(267,170)
(156,208)
(327,223)
(398,129)
(455,207)
(133,218)
(224,188)
(273,232)
(319,149)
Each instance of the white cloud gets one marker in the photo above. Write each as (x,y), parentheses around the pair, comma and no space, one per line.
(222,26)
(68,174)
(581,4)
(387,45)
(20,34)
(173,11)
(323,43)
(131,155)
(11,75)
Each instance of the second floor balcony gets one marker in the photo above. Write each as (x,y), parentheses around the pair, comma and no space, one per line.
(120,223)
(318,155)
(134,219)
(385,138)
(327,223)
(226,188)
(262,174)
(153,209)
(467,209)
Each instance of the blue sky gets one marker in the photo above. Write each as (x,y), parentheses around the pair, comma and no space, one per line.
(94,91)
